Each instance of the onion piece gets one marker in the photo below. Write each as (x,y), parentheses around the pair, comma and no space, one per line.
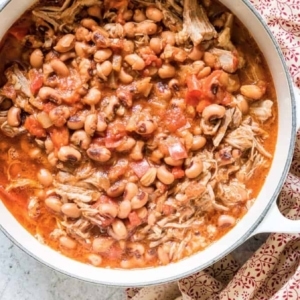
(140,168)
(177,151)
(44,119)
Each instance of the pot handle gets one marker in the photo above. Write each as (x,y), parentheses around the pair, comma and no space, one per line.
(274,221)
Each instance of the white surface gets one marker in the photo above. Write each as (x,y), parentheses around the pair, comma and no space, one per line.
(24,278)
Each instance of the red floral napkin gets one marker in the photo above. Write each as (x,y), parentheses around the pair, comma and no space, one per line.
(273,271)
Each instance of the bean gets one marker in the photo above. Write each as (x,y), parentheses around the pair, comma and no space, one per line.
(116,189)
(94,259)
(102,55)
(145,127)
(135,61)
(156,45)
(163,256)
(209,59)
(67,242)
(68,154)
(104,69)
(172,162)
(128,47)
(94,11)
(109,110)
(129,29)
(135,248)
(102,244)
(71,210)
(126,145)
(89,23)
(93,96)
(35,153)
(66,43)
(130,191)
(151,219)
(45,177)
(119,229)
(198,142)
(168,37)
(124,209)
(226,221)
(59,67)
(14,116)
(166,71)
(66,56)
(52,159)
(84,50)
(236,153)
(81,139)
(101,124)
(53,203)
(125,77)
(146,27)
(90,124)
(59,115)
(154,14)
(196,53)
(174,85)
(139,200)
(82,34)
(142,212)
(197,66)
(127,14)
(252,91)
(212,112)
(37,58)
(48,93)
(76,121)
(132,262)
(151,254)
(195,169)
(137,151)
(204,72)
(108,209)
(139,16)
(164,175)
(149,177)
(99,153)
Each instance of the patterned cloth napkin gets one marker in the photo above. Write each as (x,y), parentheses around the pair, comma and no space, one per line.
(273,271)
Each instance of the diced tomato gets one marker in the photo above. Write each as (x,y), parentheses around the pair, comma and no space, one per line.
(140,167)
(115,252)
(116,130)
(36,81)
(167,209)
(111,142)
(134,219)
(202,104)
(34,127)
(174,119)
(59,136)
(177,150)
(177,172)
(19,32)
(194,92)
(47,107)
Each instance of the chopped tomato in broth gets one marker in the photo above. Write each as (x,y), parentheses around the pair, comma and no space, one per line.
(125,143)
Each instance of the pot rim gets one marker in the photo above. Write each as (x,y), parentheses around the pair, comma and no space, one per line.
(245,235)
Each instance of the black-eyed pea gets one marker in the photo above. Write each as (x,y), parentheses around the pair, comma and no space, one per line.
(37,58)
(149,177)
(102,55)
(199,142)
(71,210)
(196,53)
(212,112)
(139,200)
(129,29)
(163,255)
(209,59)
(94,259)
(166,71)
(102,244)
(47,93)
(104,69)
(151,254)
(94,11)
(89,23)
(125,77)
(99,153)
(45,177)
(130,191)
(139,15)
(173,162)
(14,116)
(127,144)
(93,96)
(135,61)
(65,43)
(168,37)
(194,169)
(154,14)
(197,66)
(146,27)
(108,209)
(67,242)
(53,203)
(226,221)
(116,189)
(81,139)
(52,159)
(124,209)
(145,127)
(101,124)
(58,116)
(90,124)
(127,14)
(59,67)
(119,229)
(252,91)
(69,154)
(156,45)
(135,248)
(76,121)
(164,175)
(204,72)
(137,151)
(142,212)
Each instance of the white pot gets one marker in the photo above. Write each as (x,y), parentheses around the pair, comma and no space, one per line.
(263,215)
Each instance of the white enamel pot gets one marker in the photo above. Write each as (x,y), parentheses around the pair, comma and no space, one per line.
(263,216)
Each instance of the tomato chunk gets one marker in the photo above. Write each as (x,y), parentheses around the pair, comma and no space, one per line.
(194,92)
(174,119)
(59,136)
(18,32)
(177,150)
(140,167)
(34,127)
(36,81)
(177,172)
(134,219)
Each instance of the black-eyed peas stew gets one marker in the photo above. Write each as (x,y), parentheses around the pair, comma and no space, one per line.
(133,133)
